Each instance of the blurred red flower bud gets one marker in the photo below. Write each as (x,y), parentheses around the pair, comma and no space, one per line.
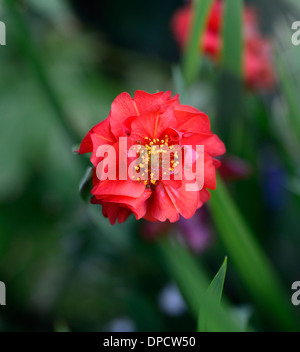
(235,169)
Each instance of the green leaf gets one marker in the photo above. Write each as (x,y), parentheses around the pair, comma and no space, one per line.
(193,284)
(214,291)
(192,57)
(233,37)
(251,262)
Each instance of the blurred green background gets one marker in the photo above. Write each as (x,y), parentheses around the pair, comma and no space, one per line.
(64,266)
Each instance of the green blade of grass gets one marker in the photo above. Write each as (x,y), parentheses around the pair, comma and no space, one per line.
(250,261)
(193,284)
(191,56)
(233,37)
(215,291)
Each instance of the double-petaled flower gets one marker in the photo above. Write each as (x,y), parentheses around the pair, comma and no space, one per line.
(138,132)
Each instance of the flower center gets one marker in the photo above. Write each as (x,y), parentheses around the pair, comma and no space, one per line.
(151,166)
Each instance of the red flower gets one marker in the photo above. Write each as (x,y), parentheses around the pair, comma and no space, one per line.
(152,122)
(259,72)
(211,42)
(257,60)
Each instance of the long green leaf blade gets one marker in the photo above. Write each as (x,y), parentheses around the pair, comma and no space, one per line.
(233,37)
(192,57)
(215,291)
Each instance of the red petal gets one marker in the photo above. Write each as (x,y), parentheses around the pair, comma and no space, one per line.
(114,212)
(102,135)
(152,124)
(190,119)
(145,101)
(119,188)
(185,202)
(204,197)
(86,145)
(209,172)
(212,144)
(122,108)
(136,205)
(161,206)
